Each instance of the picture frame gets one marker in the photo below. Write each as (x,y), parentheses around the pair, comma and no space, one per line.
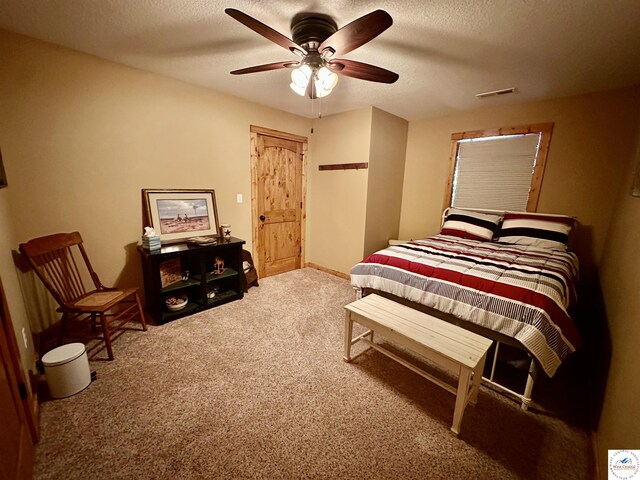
(177,215)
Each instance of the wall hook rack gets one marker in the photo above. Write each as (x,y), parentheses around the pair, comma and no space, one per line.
(344,166)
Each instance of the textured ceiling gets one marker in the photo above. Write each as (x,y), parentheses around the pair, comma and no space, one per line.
(444,51)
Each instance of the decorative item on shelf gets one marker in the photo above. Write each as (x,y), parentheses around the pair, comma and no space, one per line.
(212,290)
(185,275)
(176,302)
(225,230)
(150,241)
(202,241)
(170,272)
(218,266)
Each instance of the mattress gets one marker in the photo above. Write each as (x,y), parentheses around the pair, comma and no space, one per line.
(523,292)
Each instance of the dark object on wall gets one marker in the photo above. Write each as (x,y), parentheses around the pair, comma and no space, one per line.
(249,276)
(3,176)
(635,190)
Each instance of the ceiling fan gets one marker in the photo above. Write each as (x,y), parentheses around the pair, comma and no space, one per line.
(318,41)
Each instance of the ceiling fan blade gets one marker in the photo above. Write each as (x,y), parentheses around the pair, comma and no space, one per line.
(266,31)
(264,68)
(363,71)
(357,33)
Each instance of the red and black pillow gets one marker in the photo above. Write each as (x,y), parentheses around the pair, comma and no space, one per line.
(535,229)
(468,224)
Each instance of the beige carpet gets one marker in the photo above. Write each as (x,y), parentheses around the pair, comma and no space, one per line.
(258,389)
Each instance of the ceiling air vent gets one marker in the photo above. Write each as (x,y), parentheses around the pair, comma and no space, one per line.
(494,93)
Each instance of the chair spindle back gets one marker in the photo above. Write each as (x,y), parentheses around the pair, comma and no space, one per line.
(59,260)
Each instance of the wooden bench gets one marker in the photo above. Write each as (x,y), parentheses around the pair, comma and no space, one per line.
(449,346)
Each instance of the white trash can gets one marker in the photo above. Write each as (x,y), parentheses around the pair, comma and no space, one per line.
(67,370)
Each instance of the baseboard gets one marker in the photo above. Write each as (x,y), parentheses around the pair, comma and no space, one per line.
(328,270)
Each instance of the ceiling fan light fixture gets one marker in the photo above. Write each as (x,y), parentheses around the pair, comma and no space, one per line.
(300,76)
(327,78)
(323,80)
(317,39)
(298,89)
(320,92)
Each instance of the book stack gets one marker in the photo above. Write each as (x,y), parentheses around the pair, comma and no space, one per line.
(151,243)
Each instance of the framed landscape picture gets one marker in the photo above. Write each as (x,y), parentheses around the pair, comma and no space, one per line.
(176,215)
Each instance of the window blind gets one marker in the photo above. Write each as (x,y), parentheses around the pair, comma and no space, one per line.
(495,172)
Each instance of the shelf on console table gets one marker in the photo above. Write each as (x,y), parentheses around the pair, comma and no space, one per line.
(199,261)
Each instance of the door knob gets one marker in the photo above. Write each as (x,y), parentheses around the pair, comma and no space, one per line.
(262,218)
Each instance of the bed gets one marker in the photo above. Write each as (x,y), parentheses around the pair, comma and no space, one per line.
(507,276)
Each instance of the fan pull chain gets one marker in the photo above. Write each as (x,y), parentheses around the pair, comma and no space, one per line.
(313,105)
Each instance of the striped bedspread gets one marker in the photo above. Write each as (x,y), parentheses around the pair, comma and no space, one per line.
(520,291)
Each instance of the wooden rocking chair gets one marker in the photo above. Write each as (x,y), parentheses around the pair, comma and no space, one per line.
(62,264)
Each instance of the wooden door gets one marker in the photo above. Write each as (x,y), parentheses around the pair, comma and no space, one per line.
(16,440)
(277,200)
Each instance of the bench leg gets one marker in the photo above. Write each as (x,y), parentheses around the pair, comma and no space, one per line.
(477,377)
(461,398)
(348,332)
(528,389)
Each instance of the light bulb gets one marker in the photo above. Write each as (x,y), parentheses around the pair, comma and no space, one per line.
(321,92)
(298,89)
(301,75)
(328,78)
(325,81)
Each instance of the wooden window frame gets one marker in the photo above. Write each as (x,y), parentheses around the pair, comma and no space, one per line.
(544,129)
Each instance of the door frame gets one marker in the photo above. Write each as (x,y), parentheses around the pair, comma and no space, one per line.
(20,391)
(255,225)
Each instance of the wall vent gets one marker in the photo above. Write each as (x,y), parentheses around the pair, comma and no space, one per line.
(494,93)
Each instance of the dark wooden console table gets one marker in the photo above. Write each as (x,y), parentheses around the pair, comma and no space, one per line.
(195,266)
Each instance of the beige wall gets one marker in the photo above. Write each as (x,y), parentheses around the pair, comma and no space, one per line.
(80,129)
(385,178)
(587,175)
(352,213)
(11,285)
(81,137)
(584,167)
(619,426)
(337,199)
